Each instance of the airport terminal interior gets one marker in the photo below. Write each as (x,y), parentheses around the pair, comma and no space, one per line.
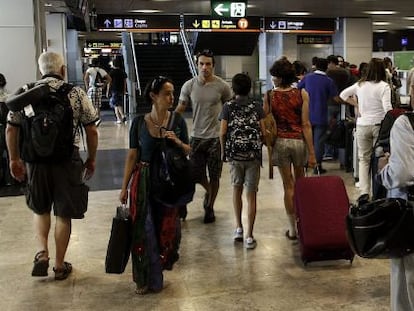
(213,272)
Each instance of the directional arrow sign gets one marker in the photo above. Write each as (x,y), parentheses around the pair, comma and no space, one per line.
(228,8)
(220,9)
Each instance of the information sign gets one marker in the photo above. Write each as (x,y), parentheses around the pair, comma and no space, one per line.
(228,8)
(138,23)
(211,24)
(299,25)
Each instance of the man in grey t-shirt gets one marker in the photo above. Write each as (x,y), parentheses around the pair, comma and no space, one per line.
(206,93)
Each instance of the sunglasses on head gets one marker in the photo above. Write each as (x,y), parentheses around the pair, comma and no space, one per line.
(157,82)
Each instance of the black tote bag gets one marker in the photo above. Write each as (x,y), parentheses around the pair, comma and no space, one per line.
(119,246)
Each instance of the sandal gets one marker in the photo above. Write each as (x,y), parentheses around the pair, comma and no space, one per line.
(63,273)
(291,237)
(40,264)
(142,290)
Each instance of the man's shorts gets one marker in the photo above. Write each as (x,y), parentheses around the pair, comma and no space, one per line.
(116,100)
(60,185)
(289,151)
(206,153)
(95,95)
(245,173)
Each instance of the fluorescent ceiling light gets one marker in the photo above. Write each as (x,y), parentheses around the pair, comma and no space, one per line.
(410,27)
(381,23)
(297,13)
(380,30)
(48,4)
(146,11)
(380,12)
(410,18)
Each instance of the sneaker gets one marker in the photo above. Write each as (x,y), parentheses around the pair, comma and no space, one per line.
(118,122)
(250,243)
(238,235)
(124,119)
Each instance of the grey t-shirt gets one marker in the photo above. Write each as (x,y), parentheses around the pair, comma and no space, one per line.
(207,102)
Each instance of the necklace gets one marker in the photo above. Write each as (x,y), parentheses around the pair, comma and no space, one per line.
(158,125)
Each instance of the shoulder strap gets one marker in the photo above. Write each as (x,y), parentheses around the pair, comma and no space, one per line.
(410,116)
(173,121)
(269,92)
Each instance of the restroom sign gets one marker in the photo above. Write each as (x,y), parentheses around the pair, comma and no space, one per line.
(228,8)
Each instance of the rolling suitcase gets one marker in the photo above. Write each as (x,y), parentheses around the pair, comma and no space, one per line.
(322,204)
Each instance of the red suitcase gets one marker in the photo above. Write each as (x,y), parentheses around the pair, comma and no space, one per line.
(321,205)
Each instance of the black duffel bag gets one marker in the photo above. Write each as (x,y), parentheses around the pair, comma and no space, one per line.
(382,228)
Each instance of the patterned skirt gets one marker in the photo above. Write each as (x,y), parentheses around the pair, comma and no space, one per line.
(156,233)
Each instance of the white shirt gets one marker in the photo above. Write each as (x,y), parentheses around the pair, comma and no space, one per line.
(399,171)
(374,100)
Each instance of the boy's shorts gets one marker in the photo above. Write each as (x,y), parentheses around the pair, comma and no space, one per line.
(245,173)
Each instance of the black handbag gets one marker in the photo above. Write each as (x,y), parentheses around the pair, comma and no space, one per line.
(119,246)
(382,228)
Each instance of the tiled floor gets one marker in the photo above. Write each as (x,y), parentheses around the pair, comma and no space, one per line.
(213,273)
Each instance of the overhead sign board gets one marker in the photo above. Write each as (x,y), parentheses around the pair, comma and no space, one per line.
(138,23)
(299,25)
(313,39)
(228,8)
(211,24)
(103,44)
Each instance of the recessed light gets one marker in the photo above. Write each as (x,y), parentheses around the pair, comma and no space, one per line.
(48,4)
(380,12)
(296,13)
(381,23)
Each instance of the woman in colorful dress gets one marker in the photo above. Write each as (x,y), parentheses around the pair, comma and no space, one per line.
(156,226)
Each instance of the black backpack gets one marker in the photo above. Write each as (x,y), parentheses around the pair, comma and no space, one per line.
(99,80)
(170,171)
(47,133)
(243,141)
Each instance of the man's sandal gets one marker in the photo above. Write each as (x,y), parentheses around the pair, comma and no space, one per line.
(63,273)
(40,264)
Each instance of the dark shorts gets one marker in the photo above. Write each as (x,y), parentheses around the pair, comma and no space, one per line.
(206,153)
(58,185)
(116,100)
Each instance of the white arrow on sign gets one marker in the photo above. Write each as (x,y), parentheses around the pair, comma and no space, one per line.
(107,23)
(219,9)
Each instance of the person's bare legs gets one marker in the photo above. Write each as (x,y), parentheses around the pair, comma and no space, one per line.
(63,230)
(42,228)
(238,205)
(251,211)
(288,186)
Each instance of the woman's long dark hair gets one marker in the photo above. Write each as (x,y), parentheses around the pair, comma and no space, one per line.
(375,71)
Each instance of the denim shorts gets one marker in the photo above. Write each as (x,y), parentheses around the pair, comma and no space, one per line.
(289,151)
(245,173)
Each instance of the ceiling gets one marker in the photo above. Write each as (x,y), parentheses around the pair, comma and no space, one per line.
(402,19)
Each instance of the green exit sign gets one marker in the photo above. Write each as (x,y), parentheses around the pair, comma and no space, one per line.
(228,8)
